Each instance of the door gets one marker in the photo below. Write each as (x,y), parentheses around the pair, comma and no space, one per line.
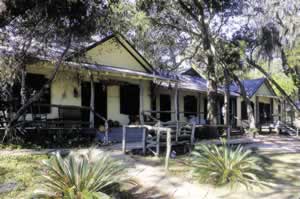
(165,105)
(233,112)
(100,101)
(264,113)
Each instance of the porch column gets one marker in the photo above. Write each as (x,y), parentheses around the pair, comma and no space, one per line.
(226,99)
(141,102)
(282,111)
(239,111)
(92,102)
(256,107)
(176,101)
(272,109)
(176,109)
(199,108)
(227,113)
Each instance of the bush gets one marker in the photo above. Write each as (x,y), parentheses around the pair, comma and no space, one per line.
(80,176)
(222,165)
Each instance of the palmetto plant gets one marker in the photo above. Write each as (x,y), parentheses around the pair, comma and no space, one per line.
(223,165)
(80,176)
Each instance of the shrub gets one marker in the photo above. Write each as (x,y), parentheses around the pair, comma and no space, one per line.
(80,176)
(222,165)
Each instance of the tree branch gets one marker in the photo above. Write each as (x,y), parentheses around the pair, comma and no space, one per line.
(38,95)
(268,76)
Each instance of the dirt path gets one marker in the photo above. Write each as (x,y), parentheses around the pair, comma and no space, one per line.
(155,177)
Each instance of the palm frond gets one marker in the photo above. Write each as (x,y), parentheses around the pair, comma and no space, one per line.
(80,176)
(225,164)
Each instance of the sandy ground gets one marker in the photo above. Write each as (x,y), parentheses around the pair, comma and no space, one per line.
(282,154)
(283,182)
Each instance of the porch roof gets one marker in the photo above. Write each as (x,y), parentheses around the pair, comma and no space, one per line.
(194,83)
(121,71)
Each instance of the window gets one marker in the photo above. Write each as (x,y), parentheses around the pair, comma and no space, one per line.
(265,113)
(190,106)
(129,99)
(165,105)
(33,84)
(244,110)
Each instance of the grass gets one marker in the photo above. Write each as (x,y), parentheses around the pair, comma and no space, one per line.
(23,170)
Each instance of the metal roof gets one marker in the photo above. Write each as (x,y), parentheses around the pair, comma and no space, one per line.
(251,86)
(113,69)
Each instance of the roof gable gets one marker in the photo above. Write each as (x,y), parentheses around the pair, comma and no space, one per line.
(117,52)
(192,72)
(265,90)
(253,87)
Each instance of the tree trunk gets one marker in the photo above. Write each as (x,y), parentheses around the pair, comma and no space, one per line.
(92,102)
(212,89)
(250,112)
(226,103)
(226,99)
(202,22)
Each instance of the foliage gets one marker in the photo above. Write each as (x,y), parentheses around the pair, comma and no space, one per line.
(185,33)
(22,170)
(226,165)
(271,32)
(51,29)
(80,176)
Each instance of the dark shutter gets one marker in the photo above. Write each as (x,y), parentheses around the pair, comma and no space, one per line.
(129,99)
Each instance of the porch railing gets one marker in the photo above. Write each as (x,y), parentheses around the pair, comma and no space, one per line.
(56,116)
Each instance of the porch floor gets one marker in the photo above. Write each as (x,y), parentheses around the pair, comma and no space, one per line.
(138,145)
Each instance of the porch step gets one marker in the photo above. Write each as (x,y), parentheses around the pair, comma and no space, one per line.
(287,129)
(89,131)
(235,132)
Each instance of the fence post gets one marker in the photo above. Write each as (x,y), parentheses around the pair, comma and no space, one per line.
(176,110)
(144,141)
(158,142)
(124,140)
(92,102)
(106,133)
(193,134)
(169,145)
(228,129)
(141,103)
